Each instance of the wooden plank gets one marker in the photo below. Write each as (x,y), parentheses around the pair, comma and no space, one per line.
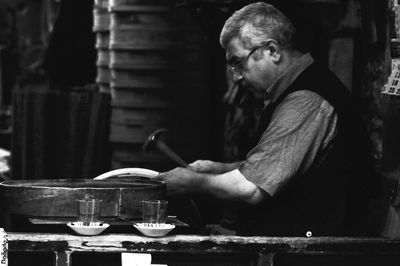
(262,249)
(201,244)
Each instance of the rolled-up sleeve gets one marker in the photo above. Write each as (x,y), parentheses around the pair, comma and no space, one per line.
(300,131)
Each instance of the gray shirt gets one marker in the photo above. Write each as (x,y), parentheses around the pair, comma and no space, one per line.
(299,134)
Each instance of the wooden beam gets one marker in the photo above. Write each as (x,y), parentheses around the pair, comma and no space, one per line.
(264,249)
(200,244)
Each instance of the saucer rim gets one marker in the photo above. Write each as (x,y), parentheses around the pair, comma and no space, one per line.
(168,226)
(102,225)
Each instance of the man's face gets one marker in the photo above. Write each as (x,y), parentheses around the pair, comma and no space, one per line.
(253,68)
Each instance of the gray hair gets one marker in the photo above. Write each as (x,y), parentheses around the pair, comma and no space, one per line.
(257,22)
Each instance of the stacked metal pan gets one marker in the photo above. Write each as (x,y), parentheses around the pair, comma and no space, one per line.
(101,26)
(141,42)
(154,71)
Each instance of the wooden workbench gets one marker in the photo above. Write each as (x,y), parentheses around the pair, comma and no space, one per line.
(364,251)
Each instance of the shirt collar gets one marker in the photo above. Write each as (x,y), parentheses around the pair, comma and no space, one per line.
(283,81)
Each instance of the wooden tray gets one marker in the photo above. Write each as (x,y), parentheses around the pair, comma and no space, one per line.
(57,197)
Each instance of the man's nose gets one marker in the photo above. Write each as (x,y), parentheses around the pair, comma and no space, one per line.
(237,77)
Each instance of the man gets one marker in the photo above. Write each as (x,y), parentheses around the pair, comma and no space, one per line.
(305,176)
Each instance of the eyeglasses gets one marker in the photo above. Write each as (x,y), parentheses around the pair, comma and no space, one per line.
(238,68)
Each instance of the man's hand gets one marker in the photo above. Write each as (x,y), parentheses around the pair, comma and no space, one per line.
(181,181)
(206,166)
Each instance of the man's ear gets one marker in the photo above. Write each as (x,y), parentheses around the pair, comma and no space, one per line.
(274,50)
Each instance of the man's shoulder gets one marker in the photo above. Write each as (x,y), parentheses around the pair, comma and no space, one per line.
(302,105)
(307,98)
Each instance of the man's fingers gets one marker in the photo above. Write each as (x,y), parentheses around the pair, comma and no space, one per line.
(159,177)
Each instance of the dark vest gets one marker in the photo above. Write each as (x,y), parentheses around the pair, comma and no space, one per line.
(331,198)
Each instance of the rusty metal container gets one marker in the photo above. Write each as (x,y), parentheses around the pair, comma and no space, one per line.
(56,198)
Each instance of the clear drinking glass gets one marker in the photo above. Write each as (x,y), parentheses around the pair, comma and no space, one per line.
(154,211)
(89,211)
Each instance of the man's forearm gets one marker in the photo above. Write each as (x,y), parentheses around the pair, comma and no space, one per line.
(230,186)
(211,167)
(231,166)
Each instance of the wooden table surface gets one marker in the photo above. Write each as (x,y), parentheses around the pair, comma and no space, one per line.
(63,245)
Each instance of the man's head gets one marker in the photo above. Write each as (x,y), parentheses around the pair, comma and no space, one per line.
(257,38)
